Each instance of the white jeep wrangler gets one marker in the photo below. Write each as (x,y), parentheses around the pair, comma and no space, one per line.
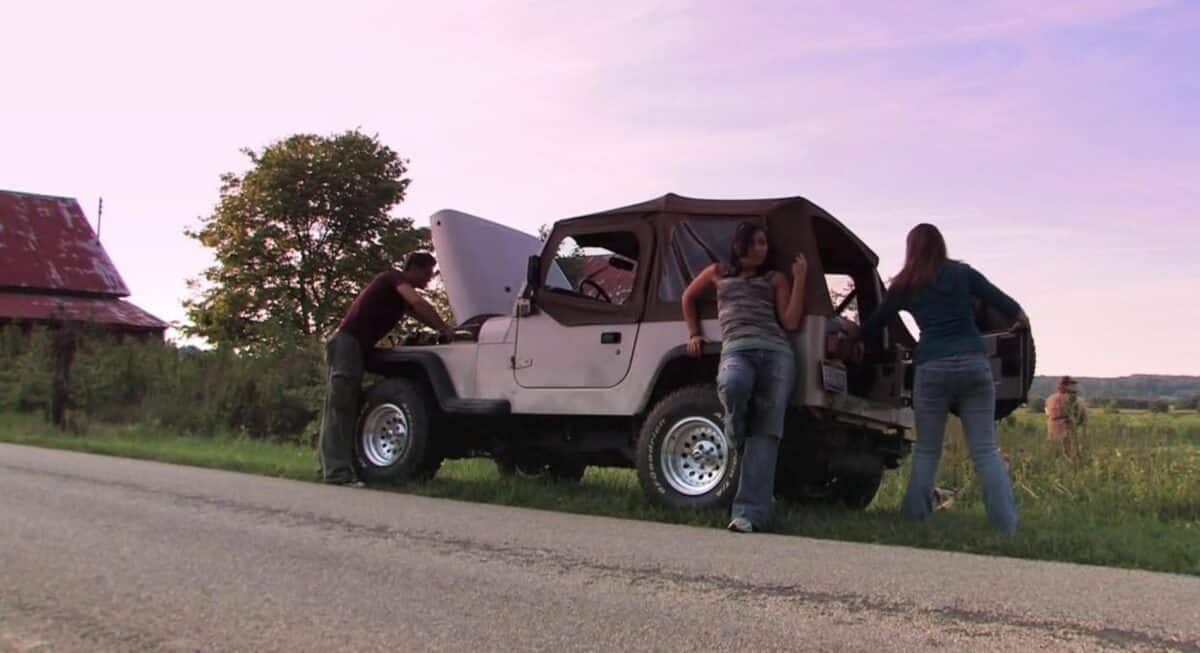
(570,353)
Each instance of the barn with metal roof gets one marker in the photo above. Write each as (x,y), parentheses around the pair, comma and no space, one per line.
(54,269)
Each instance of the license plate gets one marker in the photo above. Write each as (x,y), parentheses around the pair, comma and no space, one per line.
(833,378)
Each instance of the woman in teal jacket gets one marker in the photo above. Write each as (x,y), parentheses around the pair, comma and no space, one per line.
(952,369)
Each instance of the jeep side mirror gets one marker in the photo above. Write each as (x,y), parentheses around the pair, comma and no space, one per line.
(533,272)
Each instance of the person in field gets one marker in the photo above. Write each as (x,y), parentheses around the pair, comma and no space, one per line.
(1066,416)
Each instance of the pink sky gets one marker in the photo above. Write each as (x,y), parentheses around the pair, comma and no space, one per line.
(1057,145)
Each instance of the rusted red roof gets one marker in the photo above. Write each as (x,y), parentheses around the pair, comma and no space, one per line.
(97,310)
(46,243)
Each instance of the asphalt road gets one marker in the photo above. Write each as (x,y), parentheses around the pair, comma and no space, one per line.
(107,554)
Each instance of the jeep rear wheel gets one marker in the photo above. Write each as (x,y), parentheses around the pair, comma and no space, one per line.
(684,460)
(393,442)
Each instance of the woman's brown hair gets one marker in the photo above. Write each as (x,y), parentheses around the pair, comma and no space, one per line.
(925,253)
(743,238)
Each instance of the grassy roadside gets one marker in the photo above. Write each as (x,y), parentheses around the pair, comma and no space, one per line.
(235,454)
(1136,505)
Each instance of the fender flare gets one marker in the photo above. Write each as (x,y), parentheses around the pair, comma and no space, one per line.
(710,352)
(387,362)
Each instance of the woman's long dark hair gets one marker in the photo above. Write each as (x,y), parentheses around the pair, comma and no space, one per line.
(925,253)
(743,238)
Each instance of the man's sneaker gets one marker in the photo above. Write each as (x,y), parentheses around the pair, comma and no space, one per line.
(741,525)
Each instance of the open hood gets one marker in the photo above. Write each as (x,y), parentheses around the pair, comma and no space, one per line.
(482,262)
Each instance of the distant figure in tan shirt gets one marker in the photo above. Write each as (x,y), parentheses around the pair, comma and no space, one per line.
(1066,415)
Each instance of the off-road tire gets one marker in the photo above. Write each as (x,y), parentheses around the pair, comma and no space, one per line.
(696,401)
(989,320)
(1005,407)
(421,456)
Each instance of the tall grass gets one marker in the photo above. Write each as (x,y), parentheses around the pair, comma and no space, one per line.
(1131,499)
(1125,466)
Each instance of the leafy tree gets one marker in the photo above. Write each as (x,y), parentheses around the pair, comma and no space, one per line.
(1159,406)
(297,236)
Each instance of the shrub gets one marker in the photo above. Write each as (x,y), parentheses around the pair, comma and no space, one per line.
(273,394)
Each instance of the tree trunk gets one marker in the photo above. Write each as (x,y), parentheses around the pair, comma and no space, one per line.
(60,387)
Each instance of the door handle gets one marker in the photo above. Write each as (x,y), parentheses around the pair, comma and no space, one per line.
(610,337)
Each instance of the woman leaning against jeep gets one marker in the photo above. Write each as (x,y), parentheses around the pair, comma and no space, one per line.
(757,370)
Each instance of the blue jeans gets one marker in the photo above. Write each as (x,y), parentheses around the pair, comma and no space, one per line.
(754,387)
(964,381)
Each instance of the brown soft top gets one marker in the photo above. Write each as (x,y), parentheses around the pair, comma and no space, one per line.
(778,212)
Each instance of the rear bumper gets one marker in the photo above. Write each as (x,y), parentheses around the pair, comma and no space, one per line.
(865,413)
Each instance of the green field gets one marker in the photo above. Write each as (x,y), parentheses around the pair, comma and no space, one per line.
(1131,500)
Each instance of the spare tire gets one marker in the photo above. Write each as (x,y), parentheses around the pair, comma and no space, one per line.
(1005,407)
(991,321)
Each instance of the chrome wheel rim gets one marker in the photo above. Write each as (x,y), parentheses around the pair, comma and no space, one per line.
(694,456)
(385,436)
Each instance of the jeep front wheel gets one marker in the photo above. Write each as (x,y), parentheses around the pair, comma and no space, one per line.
(394,442)
(684,460)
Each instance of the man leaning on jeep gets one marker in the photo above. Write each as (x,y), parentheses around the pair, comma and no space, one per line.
(374,313)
